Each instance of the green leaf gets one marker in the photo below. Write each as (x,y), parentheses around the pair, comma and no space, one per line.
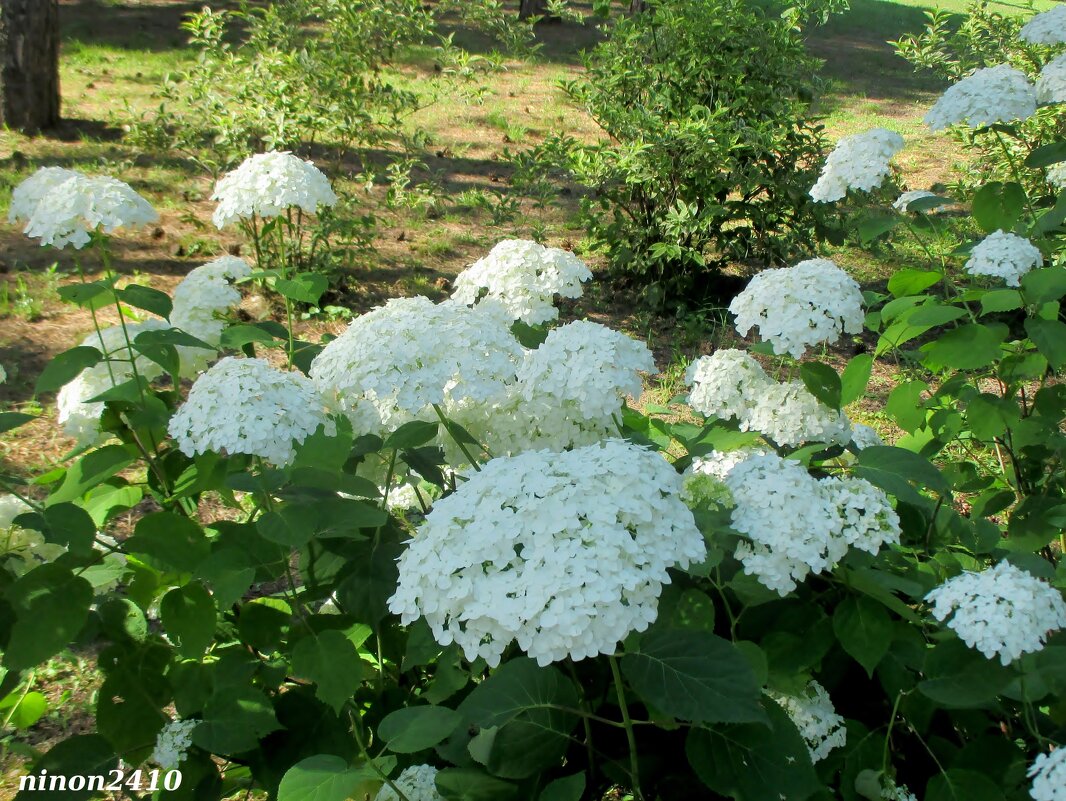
(50,607)
(1046,155)
(523,701)
(323,777)
(303,287)
(989,415)
(893,470)
(962,785)
(237,336)
(370,581)
(235,718)
(93,468)
(166,356)
(967,347)
(694,675)
(1043,285)
(568,788)
(80,755)
(264,622)
(290,526)
(144,297)
(997,206)
(411,435)
(1001,300)
(1049,336)
(934,314)
(188,614)
(905,405)
(88,294)
(864,630)
(122,620)
(415,728)
(171,336)
(66,366)
(23,710)
(855,377)
(230,572)
(12,420)
(68,525)
(754,762)
(331,661)
(823,382)
(469,784)
(170,542)
(911,282)
(874,226)
(961,677)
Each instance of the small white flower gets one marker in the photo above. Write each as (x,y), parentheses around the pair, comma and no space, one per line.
(1056,175)
(1047,28)
(173,742)
(247,406)
(564,553)
(896,792)
(796,307)
(525,277)
(1051,85)
(1003,611)
(863,436)
(989,95)
(1048,773)
(199,299)
(726,383)
(1003,255)
(816,718)
(267,184)
(418,783)
(861,161)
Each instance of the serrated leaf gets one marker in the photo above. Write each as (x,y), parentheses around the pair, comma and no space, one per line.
(864,630)
(50,607)
(12,420)
(144,297)
(997,206)
(323,777)
(855,377)
(65,367)
(188,614)
(416,728)
(823,382)
(331,661)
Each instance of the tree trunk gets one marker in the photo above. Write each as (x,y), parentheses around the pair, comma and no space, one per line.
(29,78)
(637,6)
(531,8)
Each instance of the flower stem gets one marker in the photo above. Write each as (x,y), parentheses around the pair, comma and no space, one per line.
(459,442)
(634,763)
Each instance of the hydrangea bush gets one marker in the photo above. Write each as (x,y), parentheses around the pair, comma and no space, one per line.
(447,555)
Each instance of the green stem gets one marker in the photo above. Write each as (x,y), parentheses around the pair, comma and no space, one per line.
(462,446)
(1016,173)
(634,763)
(356,724)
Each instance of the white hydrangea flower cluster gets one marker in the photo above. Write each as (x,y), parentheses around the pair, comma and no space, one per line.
(796,307)
(816,718)
(1051,85)
(267,184)
(1004,255)
(1056,175)
(78,417)
(62,207)
(248,406)
(1047,28)
(525,277)
(861,161)
(199,299)
(863,436)
(988,95)
(903,202)
(897,792)
(418,783)
(392,364)
(703,482)
(798,525)
(1048,773)
(730,383)
(555,550)
(1003,611)
(173,742)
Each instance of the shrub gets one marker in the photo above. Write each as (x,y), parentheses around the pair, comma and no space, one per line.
(706,110)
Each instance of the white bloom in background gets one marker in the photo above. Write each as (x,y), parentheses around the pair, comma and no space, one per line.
(863,436)
(796,307)
(865,517)
(1056,175)
(418,783)
(1003,255)
(69,212)
(788,414)
(247,406)
(1047,28)
(1001,611)
(902,203)
(267,184)
(525,277)
(392,364)
(173,742)
(402,496)
(989,95)
(565,553)
(28,194)
(10,508)
(1051,85)
(78,417)
(199,299)
(861,161)
(725,384)
(1048,773)
(816,718)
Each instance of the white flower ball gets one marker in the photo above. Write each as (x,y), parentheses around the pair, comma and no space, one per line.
(267,184)
(989,95)
(525,277)
(1051,85)
(796,307)
(69,212)
(1047,28)
(726,384)
(788,414)
(173,742)
(418,783)
(816,718)
(1048,773)
(863,436)
(247,406)
(1056,175)
(28,194)
(199,300)
(565,553)
(861,161)
(1003,611)
(1003,255)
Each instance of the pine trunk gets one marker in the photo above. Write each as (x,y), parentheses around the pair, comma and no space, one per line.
(637,6)
(29,79)
(532,8)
